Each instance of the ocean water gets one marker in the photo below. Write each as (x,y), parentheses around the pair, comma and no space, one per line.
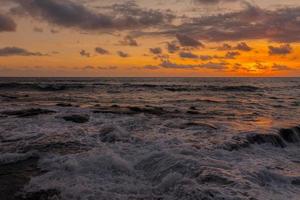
(150,138)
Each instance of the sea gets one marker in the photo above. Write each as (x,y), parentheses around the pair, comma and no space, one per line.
(150,138)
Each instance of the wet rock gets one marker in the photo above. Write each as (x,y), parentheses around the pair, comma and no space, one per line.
(147,110)
(28,112)
(273,139)
(290,135)
(192,112)
(14,176)
(40,195)
(64,104)
(296,181)
(214,178)
(77,118)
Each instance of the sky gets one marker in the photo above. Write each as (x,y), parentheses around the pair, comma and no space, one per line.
(142,38)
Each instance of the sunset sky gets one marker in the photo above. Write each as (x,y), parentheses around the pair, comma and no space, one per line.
(149,38)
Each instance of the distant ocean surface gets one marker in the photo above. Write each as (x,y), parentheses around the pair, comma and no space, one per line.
(150,138)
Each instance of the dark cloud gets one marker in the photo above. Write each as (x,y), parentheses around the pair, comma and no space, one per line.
(101,51)
(7,24)
(232,55)
(123,54)
(84,53)
(187,41)
(215,66)
(156,50)
(129,41)
(250,23)
(206,57)
(16,51)
(172,47)
(243,46)
(170,65)
(185,54)
(75,15)
(281,50)
(277,67)
(209,65)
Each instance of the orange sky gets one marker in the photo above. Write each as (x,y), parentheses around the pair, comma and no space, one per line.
(47,43)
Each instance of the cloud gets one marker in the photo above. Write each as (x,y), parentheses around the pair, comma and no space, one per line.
(190,55)
(242,47)
(16,51)
(129,41)
(187,41)
(170,65)
(215,66)
(7,24)
(156,50)
(72,14)
(209,65)
(281,50)
(232,55)
(213,2)
(252,22)
(84,53)
(172,47)
(123,54)
(277,67)
(101,51)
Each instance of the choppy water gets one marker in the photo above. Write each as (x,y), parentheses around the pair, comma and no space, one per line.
(150,138)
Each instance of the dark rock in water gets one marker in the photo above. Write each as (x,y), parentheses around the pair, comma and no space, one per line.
(40,195)
(214,178)
(290,135)
(14,176)
(192,112)
(296,182)
(77,118)
(148,110)
(8,96)
(64,105)
(115,106)
(28,112)
(273,139)
(193,108)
